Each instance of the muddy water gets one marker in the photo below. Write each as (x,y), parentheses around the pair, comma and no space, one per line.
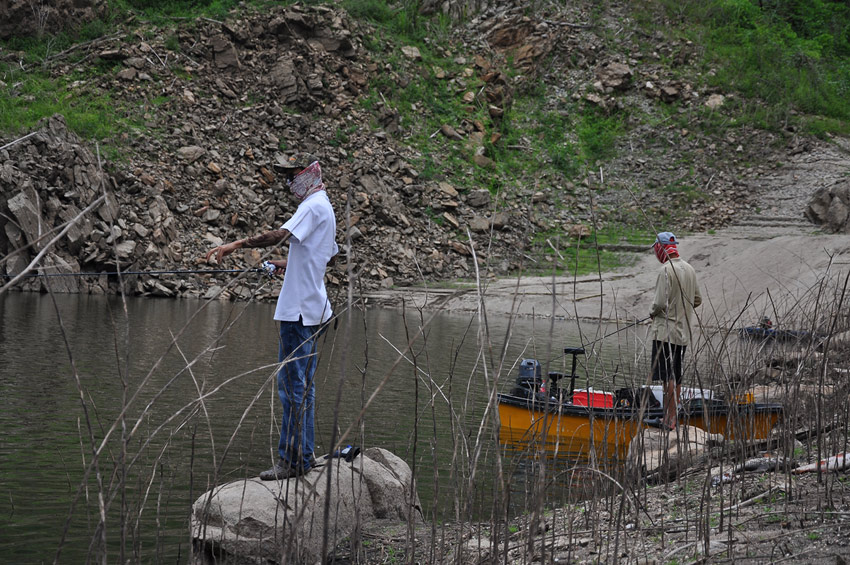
(66,370)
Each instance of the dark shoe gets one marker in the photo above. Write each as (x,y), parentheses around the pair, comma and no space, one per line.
(348,453)
(657,423)
(281,470)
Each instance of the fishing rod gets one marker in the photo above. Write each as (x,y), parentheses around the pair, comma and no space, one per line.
(266,268)
(617,331)
(580,350)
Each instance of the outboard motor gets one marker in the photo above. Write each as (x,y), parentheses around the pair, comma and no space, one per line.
(529,379)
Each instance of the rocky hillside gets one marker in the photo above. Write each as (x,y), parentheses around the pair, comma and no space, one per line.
(211,106)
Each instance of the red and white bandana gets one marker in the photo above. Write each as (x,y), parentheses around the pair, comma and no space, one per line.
(307,181)
(664,252)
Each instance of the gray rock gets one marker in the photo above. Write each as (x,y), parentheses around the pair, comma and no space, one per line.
(411,52)
(109,210)
(214,292)
(283,521)
(479,224)
(614,75)
(450,132)
(27,214)
(211,215)
(156,288)
(53,263)
(500,220)
(666,454)
(14,236)
(830,207)
(125,249)
(191,153)
(818,206)
(78,234)
(836,215)
(447,189)
(141,230)
(224,53)
(478,198)
(483,161)
(354,233)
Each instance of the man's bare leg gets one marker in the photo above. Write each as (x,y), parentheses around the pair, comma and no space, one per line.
(671,402)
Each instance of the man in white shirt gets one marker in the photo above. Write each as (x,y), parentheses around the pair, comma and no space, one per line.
(302,307)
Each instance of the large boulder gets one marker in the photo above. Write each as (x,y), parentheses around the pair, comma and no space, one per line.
(284,521)
(830,207)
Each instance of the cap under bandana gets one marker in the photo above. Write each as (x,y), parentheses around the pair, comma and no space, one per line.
(666,238)
(665,251)
(307,181)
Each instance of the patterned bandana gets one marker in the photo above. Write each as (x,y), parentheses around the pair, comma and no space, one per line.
(663,252)
(307,181)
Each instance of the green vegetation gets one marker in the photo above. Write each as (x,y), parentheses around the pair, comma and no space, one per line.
(401,20)
(790,54)
(30,98)
(162,11)
(587,255)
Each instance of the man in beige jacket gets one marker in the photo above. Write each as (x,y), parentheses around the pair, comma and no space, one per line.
(676,296)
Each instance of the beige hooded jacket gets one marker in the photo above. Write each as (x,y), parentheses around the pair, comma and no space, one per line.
(676,296)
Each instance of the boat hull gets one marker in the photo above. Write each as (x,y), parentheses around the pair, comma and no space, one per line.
(607,432)
(756,332)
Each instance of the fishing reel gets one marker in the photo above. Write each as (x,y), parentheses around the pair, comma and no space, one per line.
(268,268)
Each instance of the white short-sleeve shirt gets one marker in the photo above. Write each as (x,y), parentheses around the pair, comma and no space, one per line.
(311,246)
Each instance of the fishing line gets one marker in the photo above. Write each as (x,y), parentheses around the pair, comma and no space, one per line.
(122,273)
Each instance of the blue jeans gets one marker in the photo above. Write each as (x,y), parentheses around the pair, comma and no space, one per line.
(297,391)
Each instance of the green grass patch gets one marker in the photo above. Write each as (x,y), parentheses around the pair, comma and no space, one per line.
(172,43)
(402,20)
(26,99)
(569,139)
(574,257)
(597,134)
(163,11)
(684,192)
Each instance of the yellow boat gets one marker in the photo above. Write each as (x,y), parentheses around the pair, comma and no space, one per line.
(540,416)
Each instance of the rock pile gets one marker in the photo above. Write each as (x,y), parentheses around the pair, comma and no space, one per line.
(50,184)
(229,104)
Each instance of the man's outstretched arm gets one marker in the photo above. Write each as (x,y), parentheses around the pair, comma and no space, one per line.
(266,239)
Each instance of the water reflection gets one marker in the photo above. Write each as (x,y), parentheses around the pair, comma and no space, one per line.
(196,382)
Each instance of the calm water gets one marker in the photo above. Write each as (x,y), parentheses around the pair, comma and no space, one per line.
(161,355)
